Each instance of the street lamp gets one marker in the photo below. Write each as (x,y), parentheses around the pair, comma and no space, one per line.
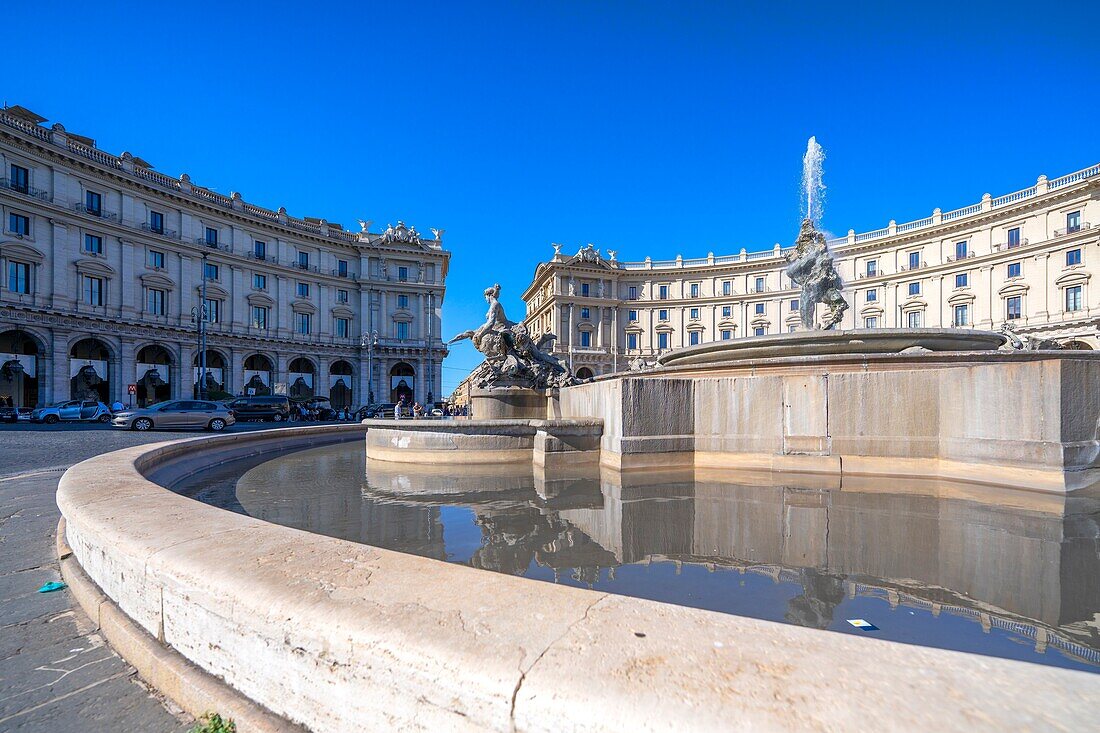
(368,343)
(199,316)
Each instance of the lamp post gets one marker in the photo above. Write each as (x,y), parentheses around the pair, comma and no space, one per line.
(430,403)
(369,342)
(199,316)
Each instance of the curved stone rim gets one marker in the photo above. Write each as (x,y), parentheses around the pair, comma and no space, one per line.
(822,343)
(304,624)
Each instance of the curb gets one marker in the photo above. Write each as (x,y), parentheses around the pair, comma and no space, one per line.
(194,690)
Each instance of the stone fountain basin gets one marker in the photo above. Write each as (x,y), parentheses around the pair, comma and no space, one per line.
(824,343)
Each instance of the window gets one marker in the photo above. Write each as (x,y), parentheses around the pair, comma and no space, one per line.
(1013,307)
(662,315)
(759,331)
(872,296)
(93,244)
(1014,237)
(211,237)
(961,280)
(632,315)
(93,203)
(793,305)
(1013,269)
(156,222)
(259,317)
(960,250)
(402,330)
(586,339)
(758,309)
(303,260)
(632,292)
(403,274)
(213,310)
(342,268)
(914,288)
(154,258)
(92,290)
(694,314)
(586,313)
(727,287)
(727,311)
(1073,257)
(872,268)
(259,282)
(695,290)
(632,341)
(870,322)
(303,323)
(912,319)
(662,340)
(914,260)
(341,296)
(1073,298)
(727,334)
(211,271)
(1073,222)
(759,286)
(303,290)
(343,328)
(19,277)
(259,249)
(962,315)
(693,338)
(19,224)
(155,301)
(20,178)
(663,292)
(585,289)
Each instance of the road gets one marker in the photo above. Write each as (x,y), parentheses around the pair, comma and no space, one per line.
(57,673)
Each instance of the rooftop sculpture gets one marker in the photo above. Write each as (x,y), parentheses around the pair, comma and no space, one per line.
(512,357)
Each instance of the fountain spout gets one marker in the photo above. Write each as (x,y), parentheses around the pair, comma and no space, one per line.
(813,190)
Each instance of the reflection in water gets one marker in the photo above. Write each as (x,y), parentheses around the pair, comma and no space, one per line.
(1012,574)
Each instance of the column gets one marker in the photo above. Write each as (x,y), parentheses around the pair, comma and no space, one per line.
(59,376)
(129,286)
(63,289)
(127,373)
(321,386)
(236,370)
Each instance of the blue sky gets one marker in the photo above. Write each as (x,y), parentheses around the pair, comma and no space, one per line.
(651,128)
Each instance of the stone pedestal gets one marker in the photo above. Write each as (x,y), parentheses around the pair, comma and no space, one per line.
(509,403)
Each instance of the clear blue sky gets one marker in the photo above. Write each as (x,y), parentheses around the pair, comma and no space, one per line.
(649,128)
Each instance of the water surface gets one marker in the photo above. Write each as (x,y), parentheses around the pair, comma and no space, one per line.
(1004,573)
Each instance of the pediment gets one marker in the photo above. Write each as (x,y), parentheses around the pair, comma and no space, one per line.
(157,280)
(94,267)
(1073,277)
(213,291)
(20,251)
(302,306)
(343,311)
(1018,287)
(963,296)
(260,299)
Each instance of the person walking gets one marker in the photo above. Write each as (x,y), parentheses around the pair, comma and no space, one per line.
(399,408)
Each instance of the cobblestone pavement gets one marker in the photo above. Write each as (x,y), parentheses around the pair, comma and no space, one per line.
(57,674)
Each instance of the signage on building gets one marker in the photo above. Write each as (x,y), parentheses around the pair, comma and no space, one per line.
(280,388)
(251,391)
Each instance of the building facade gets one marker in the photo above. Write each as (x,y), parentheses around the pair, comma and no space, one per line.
(1024,259)
(108,267)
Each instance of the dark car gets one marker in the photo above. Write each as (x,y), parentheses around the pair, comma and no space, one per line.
(376,410)
(316,408)
(275,408)
(8,414)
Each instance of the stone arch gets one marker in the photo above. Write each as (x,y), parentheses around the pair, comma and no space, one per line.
(259,373)
(22,367)
(153,374)
(1077,345)
(341,377)
(584,373)
(302,378)
(402,382)
(90,369)
(216,379)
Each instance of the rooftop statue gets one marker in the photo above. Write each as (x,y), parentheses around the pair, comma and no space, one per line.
(512,357)
(811,268)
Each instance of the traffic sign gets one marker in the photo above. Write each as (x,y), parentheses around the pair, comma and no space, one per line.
(131,389)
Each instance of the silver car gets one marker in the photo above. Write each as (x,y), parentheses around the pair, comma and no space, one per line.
(174,414)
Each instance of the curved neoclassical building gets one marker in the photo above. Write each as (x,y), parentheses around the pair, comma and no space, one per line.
(1024,259)
(105,263)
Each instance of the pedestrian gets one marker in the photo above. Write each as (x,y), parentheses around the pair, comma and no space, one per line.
(418,410)
(117,406)
(399,408)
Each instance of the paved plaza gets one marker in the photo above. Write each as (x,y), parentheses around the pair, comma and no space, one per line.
(56,672)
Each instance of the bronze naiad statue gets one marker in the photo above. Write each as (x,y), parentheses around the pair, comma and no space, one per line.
(512,357)
(811,268)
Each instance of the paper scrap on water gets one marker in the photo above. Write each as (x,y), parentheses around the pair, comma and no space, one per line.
(862,625)
(51,586)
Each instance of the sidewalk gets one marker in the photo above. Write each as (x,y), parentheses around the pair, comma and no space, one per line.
(56,672)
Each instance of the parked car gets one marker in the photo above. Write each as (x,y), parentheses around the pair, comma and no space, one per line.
(275,408)
(8,414)
(205,414)
(376,410)
(72,411)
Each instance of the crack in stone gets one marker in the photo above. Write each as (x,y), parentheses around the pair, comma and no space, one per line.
(523,673)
